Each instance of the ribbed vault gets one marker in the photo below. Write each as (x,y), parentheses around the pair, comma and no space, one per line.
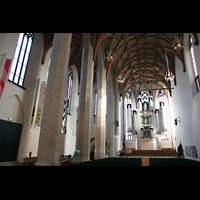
(140,58)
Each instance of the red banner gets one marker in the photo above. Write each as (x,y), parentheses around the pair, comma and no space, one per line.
(4,75)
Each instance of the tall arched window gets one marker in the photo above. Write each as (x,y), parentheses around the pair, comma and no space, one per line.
(20,60)
(69,92)
(194,66)
(67,102)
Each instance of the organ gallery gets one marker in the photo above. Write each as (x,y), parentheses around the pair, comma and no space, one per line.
(145,119)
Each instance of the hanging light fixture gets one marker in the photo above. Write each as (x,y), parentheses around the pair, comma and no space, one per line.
(168,76)
(110,55)
(178,43)
(121,79)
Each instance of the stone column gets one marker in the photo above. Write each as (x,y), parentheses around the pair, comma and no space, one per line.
(110,111)
(50,134)
(101,106)
(85,99)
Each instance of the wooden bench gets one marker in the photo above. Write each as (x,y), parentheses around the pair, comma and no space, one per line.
(65,161)
(171,153)
(30,161)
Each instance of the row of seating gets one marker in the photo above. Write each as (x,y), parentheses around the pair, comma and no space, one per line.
(112,161)
(173,162)
(154,153)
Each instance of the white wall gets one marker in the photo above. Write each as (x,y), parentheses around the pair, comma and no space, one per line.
(185,104)
(16,102)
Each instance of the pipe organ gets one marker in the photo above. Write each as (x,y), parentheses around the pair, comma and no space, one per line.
(157,121)
(129,118)
(161,117)
(135,122)
(145,122)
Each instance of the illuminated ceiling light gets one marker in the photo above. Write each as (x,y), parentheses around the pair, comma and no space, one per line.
(169,76)
(110,55)
(178,43)
(121,79)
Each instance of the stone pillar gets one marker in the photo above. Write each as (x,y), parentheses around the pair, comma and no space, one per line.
(50,134)
(110,112)
(101,106)
(85,99)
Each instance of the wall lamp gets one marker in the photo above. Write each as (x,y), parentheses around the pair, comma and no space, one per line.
(117,123)
(178,119)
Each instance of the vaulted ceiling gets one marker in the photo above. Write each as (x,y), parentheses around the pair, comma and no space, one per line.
(140,58)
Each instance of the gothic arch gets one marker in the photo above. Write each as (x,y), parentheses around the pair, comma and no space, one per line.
(12,107)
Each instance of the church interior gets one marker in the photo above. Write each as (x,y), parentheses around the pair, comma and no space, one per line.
(99,99)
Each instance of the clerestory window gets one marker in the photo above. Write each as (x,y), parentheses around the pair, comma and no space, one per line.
(20,59)
(194,66)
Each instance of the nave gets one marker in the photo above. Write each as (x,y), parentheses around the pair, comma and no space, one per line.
(92,91)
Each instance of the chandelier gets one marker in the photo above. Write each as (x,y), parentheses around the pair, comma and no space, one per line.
(110,55)
(178,43)
(168,76)
(121,79)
